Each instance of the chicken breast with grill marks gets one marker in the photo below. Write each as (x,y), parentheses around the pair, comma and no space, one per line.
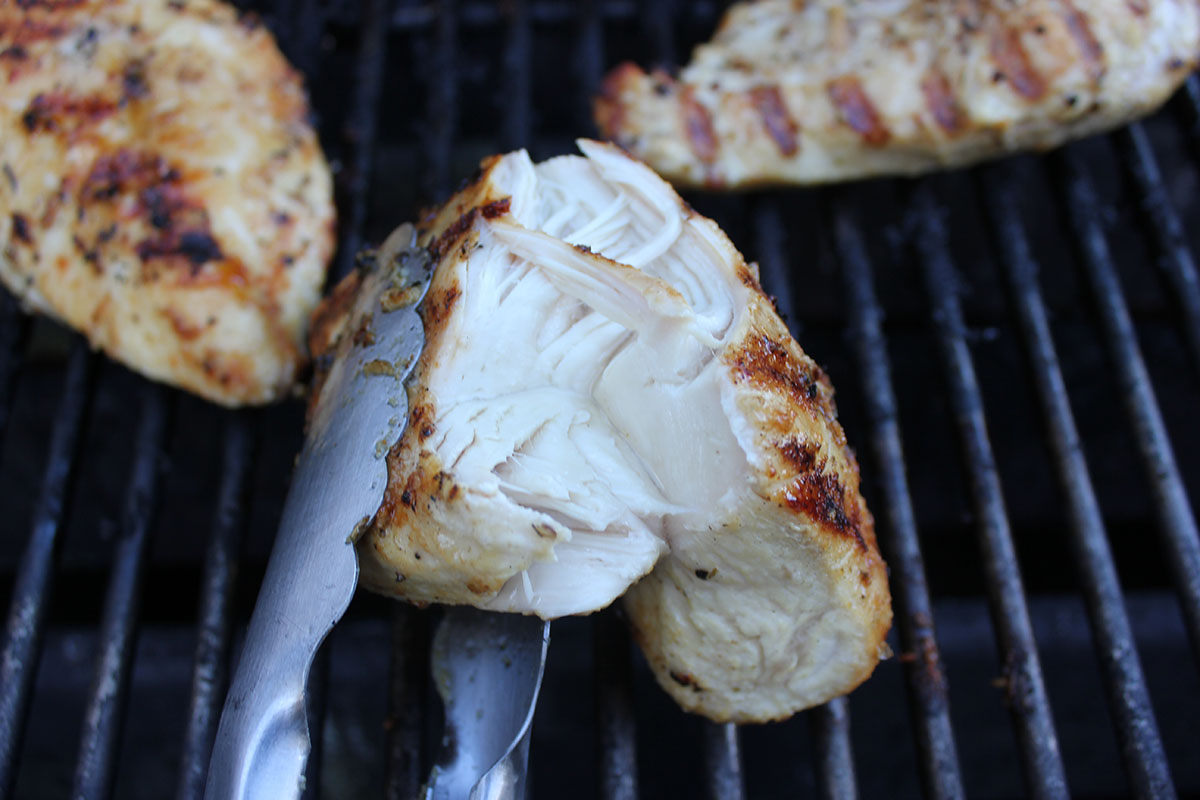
(607,403)
(162,190)
(826,90)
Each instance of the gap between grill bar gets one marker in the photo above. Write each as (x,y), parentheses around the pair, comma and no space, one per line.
(723,761)
(407,707)
(657,18)
(1176,260)
(210,676)
(515,105)
(772,263)
(1177,523)
(830,724)
(590,59)
(409,658)
(31,594)
(104,715)
(616,731)
(442,112)
(1191,91)
(12,327)
(317,698)
(929,707)
(361,132)
(298,26)
(1026,690)
(1129,700)
(484,13)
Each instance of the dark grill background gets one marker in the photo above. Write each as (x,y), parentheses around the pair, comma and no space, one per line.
(137,520)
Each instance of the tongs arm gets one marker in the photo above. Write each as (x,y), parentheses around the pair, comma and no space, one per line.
(360,411)
(263,740)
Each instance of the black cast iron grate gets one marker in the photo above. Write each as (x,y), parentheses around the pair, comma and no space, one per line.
(1017,352)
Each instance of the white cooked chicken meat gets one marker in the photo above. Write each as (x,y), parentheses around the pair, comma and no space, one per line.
(826,90)
(608,405)
(162,188)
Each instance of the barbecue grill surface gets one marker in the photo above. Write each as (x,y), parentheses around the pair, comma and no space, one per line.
(1016,350)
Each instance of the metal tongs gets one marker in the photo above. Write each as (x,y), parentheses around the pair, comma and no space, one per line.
(488,666)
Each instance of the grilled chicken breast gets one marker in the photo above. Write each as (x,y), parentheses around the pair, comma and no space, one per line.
(162,190)
(808,92)
(607,400)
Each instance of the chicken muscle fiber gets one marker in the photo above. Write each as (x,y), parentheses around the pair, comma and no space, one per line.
(607,404)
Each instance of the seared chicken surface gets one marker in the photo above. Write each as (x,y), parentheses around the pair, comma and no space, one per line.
(162,190)
(607,400)
(808,92)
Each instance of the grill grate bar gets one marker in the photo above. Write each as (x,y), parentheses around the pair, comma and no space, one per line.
(95,768)
(1026,690)
(831,727)
(408,677)
(1177,261)
(930,709)
(31,593)
(1177,522)
(723,760)
(211,672)
(616,733)
(1128,697)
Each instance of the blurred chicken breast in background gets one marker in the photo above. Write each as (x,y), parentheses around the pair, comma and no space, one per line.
(810,92)
(163,191)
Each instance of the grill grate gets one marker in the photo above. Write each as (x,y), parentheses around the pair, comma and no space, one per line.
(1178,524)
(436,85)
(1127,694)
(1026,691)
(27,609)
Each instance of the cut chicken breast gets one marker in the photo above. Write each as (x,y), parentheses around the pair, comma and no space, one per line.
(827,90)
(607,400)
(162,190)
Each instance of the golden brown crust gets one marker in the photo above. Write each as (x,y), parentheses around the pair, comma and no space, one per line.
(164,192)
(810,468)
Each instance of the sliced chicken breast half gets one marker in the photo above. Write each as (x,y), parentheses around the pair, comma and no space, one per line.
(607,400)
